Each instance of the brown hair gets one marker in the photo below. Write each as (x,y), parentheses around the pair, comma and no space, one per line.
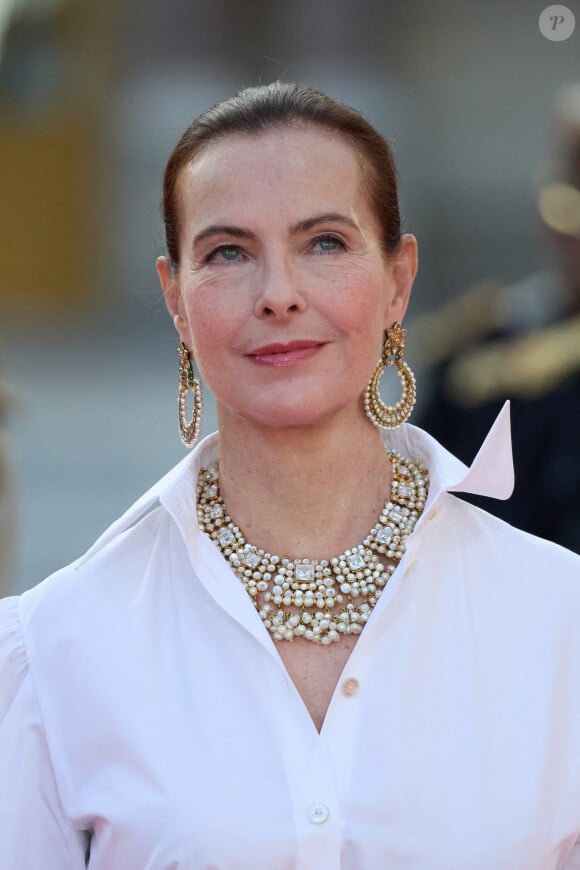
(279,105)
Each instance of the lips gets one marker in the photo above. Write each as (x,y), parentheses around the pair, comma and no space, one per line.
(269,349)
(279,354)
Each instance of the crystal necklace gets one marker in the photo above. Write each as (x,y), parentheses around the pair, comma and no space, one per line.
(320,600)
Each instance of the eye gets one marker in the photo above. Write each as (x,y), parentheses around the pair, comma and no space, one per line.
(327,244)
(225,253)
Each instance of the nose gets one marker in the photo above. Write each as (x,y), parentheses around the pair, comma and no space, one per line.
(280,293)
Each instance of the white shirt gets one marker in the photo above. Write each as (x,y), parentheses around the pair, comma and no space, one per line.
(143,701)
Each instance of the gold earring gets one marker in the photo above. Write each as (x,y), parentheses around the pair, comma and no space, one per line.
(391,416)
(188,429)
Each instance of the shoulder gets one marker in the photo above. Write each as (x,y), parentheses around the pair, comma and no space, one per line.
(90,606)
(516,594)
(102,574)
(511,559)
(496,340)
(489,309)
(83,606)
(74,625)
(528,366)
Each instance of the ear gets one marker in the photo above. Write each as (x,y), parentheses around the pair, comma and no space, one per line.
(170,286)
(403,264)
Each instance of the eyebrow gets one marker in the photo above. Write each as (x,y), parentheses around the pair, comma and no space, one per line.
(331,217)
(301,227)
(222,230)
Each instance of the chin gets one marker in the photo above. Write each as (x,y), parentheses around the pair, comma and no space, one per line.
(306,406)
(294,416)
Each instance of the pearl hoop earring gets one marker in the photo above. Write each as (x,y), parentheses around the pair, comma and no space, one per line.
(391,416)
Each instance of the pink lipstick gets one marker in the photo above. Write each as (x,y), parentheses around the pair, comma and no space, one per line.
(279,355)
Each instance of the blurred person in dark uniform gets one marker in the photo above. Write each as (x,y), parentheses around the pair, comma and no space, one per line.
(521,342)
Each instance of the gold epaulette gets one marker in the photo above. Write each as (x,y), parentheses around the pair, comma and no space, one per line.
(439,335)
(526,367)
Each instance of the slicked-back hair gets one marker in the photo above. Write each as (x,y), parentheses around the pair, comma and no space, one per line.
(282,105)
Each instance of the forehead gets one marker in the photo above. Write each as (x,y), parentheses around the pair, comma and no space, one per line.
(291,168)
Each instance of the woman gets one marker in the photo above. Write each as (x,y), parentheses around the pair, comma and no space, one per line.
(298,650)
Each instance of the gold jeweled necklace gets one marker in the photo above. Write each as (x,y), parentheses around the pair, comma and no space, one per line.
(332,597)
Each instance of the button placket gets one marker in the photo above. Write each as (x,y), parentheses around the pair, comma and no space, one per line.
(312,788)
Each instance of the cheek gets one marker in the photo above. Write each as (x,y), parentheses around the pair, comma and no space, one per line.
(209,321)
(361,312)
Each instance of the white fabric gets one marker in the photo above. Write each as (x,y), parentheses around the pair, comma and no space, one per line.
(145,710)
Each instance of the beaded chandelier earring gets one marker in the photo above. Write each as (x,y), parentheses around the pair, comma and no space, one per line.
(391,416)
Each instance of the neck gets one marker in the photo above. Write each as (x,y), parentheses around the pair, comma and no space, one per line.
(303,492)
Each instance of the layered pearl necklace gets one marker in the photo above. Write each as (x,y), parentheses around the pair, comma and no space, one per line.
(331,597)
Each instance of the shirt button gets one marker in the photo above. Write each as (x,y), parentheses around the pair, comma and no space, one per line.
(411,569)
(433,513)
(318,814)
(350,687)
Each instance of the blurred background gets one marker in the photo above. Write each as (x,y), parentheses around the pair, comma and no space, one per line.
(93,96)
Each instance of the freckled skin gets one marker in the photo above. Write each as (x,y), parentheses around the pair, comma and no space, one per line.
(281,287)
(315,671)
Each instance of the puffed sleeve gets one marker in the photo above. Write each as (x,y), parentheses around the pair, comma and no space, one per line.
(34,832)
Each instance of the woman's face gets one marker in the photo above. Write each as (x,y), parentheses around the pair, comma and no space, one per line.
(283,292)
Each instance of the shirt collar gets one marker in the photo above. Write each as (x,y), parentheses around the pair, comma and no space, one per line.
(491,473)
